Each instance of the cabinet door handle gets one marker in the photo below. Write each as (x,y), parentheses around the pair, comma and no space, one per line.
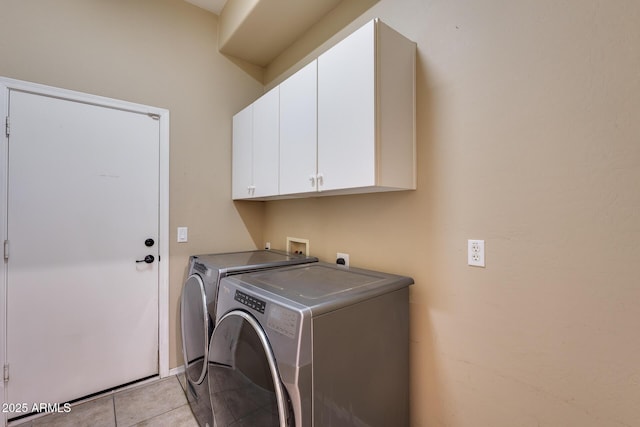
(320,179)
(312,178)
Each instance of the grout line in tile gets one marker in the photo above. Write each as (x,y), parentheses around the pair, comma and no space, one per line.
(184,387)
(113,407)
(163,413)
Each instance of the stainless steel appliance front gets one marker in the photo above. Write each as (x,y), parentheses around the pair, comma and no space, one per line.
(311,345)
(198,313)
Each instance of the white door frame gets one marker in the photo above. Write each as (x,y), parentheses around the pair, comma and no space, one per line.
(6,85)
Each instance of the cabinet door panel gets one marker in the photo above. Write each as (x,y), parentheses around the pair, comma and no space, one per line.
(346,112)
(242,154)
(266,144)
(298,131)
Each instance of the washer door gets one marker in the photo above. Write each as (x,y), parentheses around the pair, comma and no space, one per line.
(195,329)
(244,383)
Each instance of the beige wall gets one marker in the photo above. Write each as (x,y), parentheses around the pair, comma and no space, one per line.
(161,53)
(528,125)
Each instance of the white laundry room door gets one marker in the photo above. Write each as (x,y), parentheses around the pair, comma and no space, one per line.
(82,215)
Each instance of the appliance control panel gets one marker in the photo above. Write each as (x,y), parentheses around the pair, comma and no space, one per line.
(283,321)
(250,301)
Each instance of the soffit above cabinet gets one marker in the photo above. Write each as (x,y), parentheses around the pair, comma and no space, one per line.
(266,37)
(214,6)
(257,31)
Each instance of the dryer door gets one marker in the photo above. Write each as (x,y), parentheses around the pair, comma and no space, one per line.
(244,383)
(195,329)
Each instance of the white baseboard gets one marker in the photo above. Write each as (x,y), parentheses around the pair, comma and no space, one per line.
(176,371)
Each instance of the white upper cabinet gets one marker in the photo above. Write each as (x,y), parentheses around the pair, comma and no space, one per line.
(298,131)
(266,141)
(366,112)
(346,112)
(255,148)
(242,154)
(345,123)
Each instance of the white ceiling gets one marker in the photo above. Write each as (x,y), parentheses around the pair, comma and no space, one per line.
(214,6)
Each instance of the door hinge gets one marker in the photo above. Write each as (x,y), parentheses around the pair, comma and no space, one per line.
(7,126)
(6,249)
(6,373)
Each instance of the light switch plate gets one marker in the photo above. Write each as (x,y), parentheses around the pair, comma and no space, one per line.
(183,234)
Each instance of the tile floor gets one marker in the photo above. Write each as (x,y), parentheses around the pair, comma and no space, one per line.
(159,403)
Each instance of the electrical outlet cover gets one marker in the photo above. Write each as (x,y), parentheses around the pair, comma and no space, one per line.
(475,253)
(344,257)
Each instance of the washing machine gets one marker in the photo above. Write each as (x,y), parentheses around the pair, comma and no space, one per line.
(312,345)
(198,312)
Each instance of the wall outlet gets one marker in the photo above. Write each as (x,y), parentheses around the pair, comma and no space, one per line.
(342,259)
(267,245)
(298,246)
(475,253)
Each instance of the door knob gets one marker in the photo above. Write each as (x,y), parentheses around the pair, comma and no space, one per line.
(148,259)
(149,242)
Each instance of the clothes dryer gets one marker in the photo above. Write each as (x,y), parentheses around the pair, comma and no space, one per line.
(198,313)
(311,345)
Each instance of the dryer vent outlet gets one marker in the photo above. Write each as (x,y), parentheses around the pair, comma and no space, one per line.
(298,246)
